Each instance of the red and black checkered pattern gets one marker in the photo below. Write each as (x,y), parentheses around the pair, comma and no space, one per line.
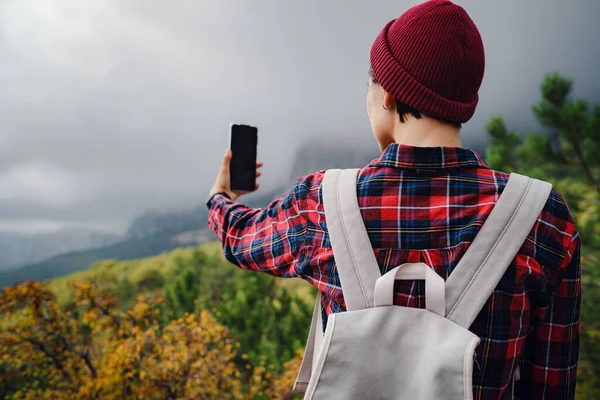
(427,205)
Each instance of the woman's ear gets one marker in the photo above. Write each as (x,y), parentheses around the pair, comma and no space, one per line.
(388,100)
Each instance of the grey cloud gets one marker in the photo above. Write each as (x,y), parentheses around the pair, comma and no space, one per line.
(132,99)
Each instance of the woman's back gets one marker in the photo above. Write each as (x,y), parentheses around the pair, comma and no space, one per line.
(427,205)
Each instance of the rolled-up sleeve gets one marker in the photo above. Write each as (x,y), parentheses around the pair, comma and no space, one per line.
(262,239)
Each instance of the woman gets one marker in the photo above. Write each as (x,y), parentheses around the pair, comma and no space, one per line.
(424,200)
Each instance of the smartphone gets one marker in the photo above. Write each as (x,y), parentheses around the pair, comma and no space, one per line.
(243,141)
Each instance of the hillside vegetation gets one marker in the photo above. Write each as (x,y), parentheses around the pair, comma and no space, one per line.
(136,328)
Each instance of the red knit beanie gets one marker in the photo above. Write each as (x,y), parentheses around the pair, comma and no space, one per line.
(431,58)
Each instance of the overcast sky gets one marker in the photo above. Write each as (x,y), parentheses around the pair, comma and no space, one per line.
(109,108)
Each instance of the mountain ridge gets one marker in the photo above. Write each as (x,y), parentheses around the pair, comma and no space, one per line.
(18,249)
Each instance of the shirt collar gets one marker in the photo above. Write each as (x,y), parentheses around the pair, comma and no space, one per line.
(428,158)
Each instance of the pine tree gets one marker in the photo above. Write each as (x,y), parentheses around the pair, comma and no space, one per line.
(567,156)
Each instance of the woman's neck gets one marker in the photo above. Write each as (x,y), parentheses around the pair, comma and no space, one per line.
(426,132)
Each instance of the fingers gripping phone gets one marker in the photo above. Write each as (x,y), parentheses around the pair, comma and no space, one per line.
(242,143)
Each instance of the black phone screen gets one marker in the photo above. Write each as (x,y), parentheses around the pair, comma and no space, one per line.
(243,143)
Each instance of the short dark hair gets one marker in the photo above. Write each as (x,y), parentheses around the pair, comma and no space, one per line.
(404,109)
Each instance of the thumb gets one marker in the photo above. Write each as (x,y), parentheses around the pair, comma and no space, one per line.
(226,162)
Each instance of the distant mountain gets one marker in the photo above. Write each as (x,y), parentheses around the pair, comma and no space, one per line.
(333,153)
(18,249)
(150,234)
(126,250)
(151,223)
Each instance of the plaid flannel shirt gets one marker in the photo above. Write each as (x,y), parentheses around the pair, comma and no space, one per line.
(426,204)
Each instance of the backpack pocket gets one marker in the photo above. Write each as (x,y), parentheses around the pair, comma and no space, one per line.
(393,353)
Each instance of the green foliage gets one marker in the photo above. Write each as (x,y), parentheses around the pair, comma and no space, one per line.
(270,323)
(151,280)
(534,149)
(575,126)
(183,292)
(500,153)
(568,158)
(556,89)
(116,275)
(125,290)
(267,320)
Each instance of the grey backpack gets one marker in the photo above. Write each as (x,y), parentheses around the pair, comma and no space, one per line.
(376,350)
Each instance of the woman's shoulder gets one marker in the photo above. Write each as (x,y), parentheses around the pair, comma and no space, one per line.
(554,230)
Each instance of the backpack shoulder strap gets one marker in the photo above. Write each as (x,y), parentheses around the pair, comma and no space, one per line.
(499,240)
(354,257)
(313,345)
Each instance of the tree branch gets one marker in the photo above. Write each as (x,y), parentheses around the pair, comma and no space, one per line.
(106,312)
(42,347)
(583,162)
(85,356)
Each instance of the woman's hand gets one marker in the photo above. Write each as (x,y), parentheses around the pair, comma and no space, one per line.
(222,183)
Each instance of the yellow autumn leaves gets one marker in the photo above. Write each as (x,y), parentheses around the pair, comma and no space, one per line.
(91,349)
